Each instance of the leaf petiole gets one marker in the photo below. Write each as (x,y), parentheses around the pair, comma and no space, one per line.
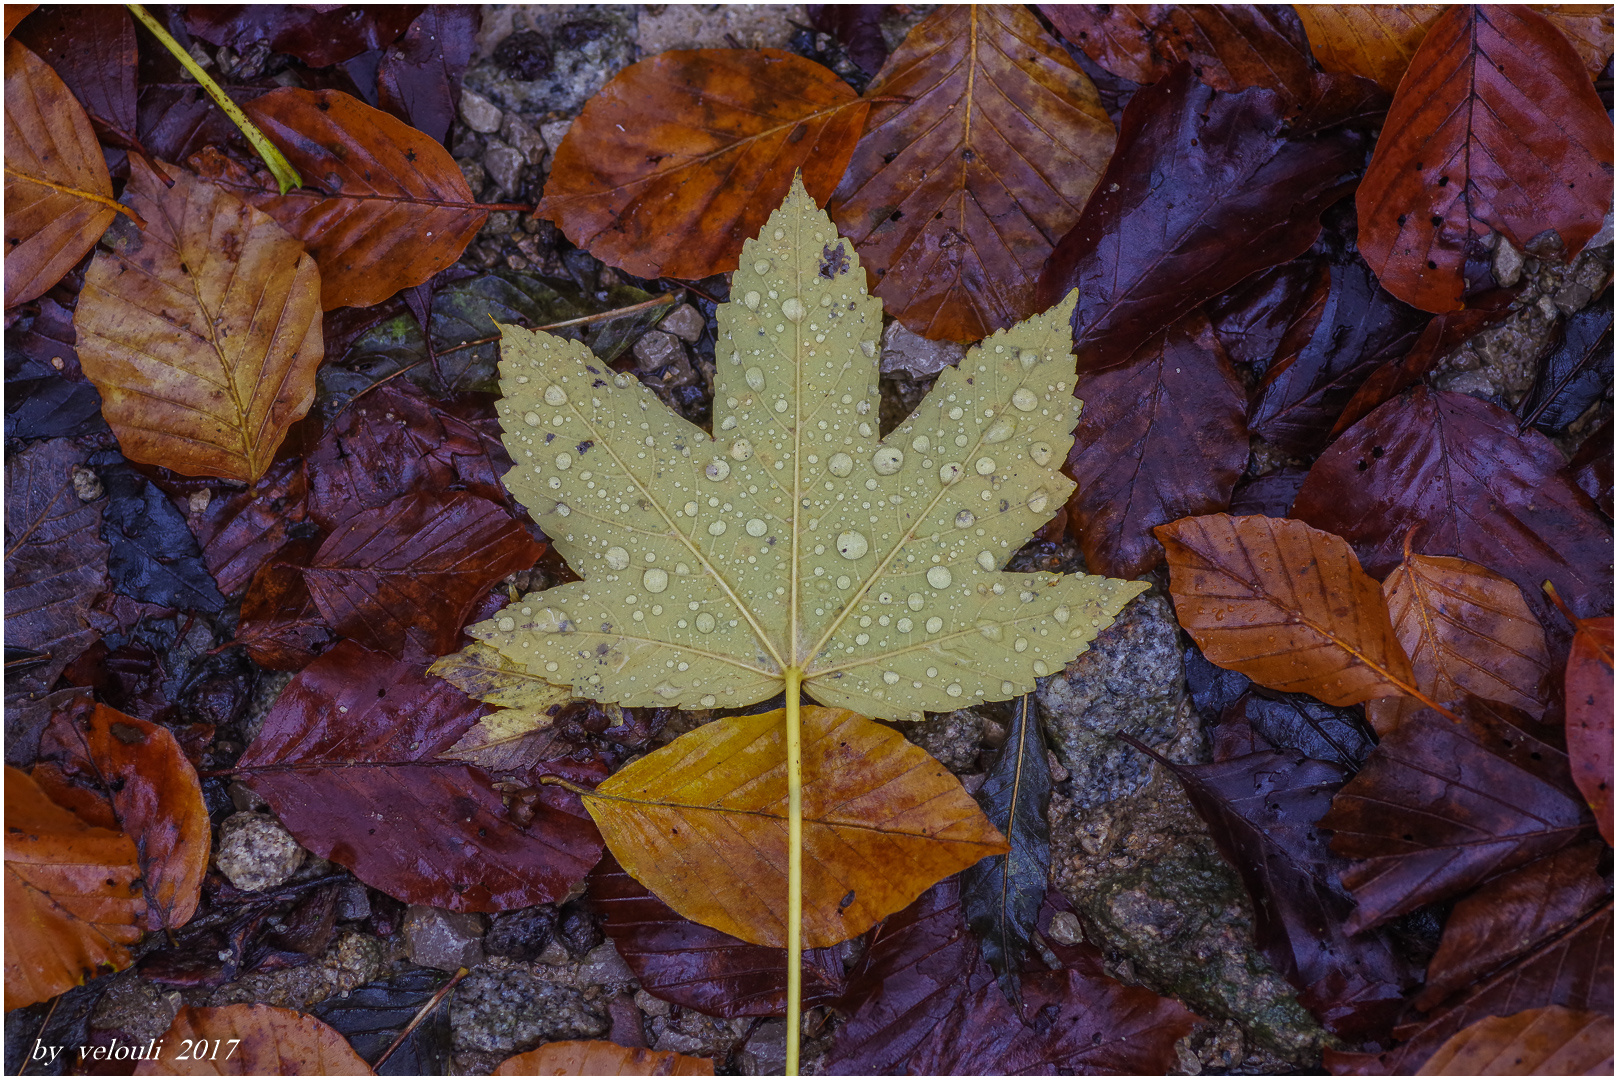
(285,175)
(91,196)
(794,681)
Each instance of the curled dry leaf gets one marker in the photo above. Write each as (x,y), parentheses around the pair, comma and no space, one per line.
(1376,41)
(1496,126)
(73,898)
(130,775)
(264,1041)
(1551,1041)
(957,193)
(602,1059)
(881,822)
(674,193)
(201,332)
(1589,716)
(1286,605)
(58,190)
(387,207)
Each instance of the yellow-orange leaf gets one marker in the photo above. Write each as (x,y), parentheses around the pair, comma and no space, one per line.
(73,896)
(1373,40)
(602,1059)
(703,824)
(1550,1041)
(261,1040)
(1286,605)
(202,332)
(680,158)
(58,192)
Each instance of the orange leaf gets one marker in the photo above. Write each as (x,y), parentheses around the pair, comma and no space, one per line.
(72,895)
(1496,126)
(1587,27)
(387,207)
(201,332)
(252,1040)
(58,192)
(681,158)
(1589,716)
(955,198)
(1286,605)
(601,1059)
(1550,1041)
(122,773)
(16,13)
(1373,40)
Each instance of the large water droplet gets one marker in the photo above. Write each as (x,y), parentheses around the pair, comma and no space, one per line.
(939,577)
(888,460)
(840,465)
(618,558)
(507,624)
(1041,453)
(551,621)
(555,395)
(986,560)
(655,580)
(965,519)
(915,601)
(741,449)
(868,348)
(950,472)
(934,625)
(852,545)
(755,377)
(921,444)
(890,677)
(705,623)
(762,266)
(985,466)
(756,527)
(532,419)
(717,469)
(1038,501)
(953,689)
(716,529)
(1001,430)
(564,461)
(751,299)
(1041,669)
(1028,357)
(1062,614)
(1025,399)
(792,309)
(904,626)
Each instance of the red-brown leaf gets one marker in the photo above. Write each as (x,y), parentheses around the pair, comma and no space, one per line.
(1549,1041)
(1589,716)
(92,47)
(319,35)
(280,626)
(261,1040)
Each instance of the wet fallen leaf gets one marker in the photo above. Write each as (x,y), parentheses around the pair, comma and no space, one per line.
(280,626)
(92,48)
(419,77)
(348,758)
(882,822)
(1589,716)
(318,35)
(203,332)
(131,776)
(1496,126)
(1160,439)
(1578,372)
(1373,40)
(1441,806)
(16,13)
(262,1040)
(1551,1041)
(176,118)
(483,672)
(372,1016)
(152,556)
(674,192)
(1204,189)
(955,196)
(602,1059)
(240,530)
(73,897)
(1251,319)
(387,207)
(1587,27)
(696,966)
(47,395)
(1591,467)
(1284,604)
(1457,469)
(858,27)
(58,191)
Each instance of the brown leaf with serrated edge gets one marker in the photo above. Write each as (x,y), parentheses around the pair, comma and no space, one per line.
(386,207)
(1286,605)
(703,823)
(581,1058)
(261,1040)
(202,332)
(1231,46)
(58,190)
(1551,1041)
(1373,40)
(412,570)
(955,196)
(1496,126)
(73,898)
(1443,805)
(1589,716)
(130,775)
(680,158)
(1161,439)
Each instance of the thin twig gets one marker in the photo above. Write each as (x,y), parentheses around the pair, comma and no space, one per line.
(39,1038)
(426,1010)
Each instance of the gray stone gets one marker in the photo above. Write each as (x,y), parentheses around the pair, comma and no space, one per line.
(686,1031)
(476,175)
(553,132)
(353,902)
(765,1052)
(602,966)
(684,322)
(504,166)
(353,960)
(446,940)
(480,114)
(1507,264)
(243,797)
(1065,929)
(911,354)
(256,852)
(714,26)
(655,349)
(652,1006)
(524,138)
(590,43)
(953,738)
(134,1010)
(508,1009)
(86,484)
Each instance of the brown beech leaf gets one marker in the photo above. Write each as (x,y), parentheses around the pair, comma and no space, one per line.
(1496,126)
(1467,630)
(348,758)
(703,823)
(318,34)
(1587,27)
(410,572)
(280,626)
(73,897)
(263,1040)
(955,197)
(1161,439)
(602,1059)
(387,207)
(1230,46)
(681,157)
(130,775)
(202,332)
(1442,806)
(1373,40)
(1286,605)
(92,47)
(240,530)
(1589,716)
(1551,1041)
(1204,189)
(1458,468)
(696,966)
(16,13)
(58,190)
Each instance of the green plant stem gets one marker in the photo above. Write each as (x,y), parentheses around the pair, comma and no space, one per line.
(285,175)
(794,677)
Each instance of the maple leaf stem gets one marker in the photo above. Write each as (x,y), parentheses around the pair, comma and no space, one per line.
(794,681)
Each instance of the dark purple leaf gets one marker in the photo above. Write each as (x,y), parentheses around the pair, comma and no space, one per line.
(419,80)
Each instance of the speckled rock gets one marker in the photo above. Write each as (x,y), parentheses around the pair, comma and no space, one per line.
(479,113)
(953,738)
(256,852)
(354,959)
(446,940)
(134,1010)
(686,1031)
(589,44)
(656,349)
(504,165)
(508,1009)
(714,26)
(684,322)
